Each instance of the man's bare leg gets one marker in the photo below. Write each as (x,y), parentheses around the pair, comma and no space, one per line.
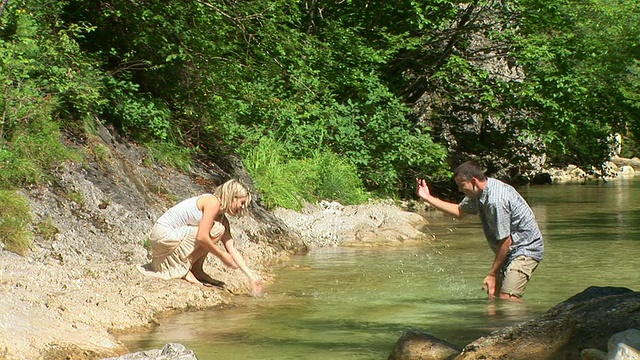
(505,296)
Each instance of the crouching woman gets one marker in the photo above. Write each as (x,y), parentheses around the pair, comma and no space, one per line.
(185,234)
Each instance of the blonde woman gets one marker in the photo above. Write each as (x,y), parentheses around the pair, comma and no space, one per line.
(185,234)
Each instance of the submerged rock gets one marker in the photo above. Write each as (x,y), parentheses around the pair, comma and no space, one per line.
(168,352)
(622,346)
(624,352)
(418,345)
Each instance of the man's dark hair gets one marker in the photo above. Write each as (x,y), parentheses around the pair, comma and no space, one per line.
(468,170)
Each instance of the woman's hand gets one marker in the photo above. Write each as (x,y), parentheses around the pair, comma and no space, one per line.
(256,285)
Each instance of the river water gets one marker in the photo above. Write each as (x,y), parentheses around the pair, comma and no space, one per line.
(354,303)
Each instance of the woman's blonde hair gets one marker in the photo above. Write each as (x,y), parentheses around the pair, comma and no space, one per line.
(231,190)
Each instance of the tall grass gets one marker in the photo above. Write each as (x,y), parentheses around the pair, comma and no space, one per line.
(279,183)
(15,217)
(171,155)
(288,183)
(337,179)
(28,153)
(31,152)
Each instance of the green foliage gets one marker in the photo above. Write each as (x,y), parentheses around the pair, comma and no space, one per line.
(171,155)
(31,152)
(631,87)
(630,148)
(14,221)
(336,179)
(42,60)
(575,55)
(280,183)
(138,114)
(289,182)
(44,78)
(232,72)
(387,87)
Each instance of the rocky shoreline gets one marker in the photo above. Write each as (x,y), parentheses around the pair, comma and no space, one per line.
(58,306)
(78,287)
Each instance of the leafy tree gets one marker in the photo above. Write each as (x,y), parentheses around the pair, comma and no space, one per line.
(393,88)
(218,75)
(575,56)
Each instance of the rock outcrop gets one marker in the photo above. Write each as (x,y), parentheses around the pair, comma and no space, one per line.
(586,320)
(580,326)
(414,344)
(168,352)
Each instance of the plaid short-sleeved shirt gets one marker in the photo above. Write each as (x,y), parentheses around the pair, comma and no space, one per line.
(504,212)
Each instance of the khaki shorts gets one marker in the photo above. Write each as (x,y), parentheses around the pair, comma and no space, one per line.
(517,275)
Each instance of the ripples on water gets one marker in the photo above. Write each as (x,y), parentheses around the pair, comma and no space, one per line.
(346,303)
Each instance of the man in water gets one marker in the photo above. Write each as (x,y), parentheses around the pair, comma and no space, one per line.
(508,223)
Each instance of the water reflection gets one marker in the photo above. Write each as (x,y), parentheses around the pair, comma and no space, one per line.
(344,303)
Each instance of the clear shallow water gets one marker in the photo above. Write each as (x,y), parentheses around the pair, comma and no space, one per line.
(346,303)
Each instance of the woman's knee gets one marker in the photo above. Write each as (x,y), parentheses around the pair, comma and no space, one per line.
(217,231)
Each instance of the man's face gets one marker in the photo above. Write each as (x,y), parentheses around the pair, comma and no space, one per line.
(468,187)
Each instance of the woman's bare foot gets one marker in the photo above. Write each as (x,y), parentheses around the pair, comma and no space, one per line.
(207,280)
(189,277)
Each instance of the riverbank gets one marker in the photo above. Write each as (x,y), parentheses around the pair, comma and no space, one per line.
(58,310)
(79,285)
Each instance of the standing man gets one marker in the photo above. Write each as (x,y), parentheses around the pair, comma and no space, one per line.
(508,223)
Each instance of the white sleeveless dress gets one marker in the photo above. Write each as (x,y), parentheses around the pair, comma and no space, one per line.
(173,239)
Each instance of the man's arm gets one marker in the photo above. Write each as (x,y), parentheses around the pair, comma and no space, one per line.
(489,283)
(423,192)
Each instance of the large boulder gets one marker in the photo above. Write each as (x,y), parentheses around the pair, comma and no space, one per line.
(585,321)
(622,346)
(374,224)
(633,162)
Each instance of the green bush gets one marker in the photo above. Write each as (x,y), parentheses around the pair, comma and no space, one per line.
(630,148)
(288,183)
(138,114)
(14,220)
(337,179)
(277,181)
(45,81)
